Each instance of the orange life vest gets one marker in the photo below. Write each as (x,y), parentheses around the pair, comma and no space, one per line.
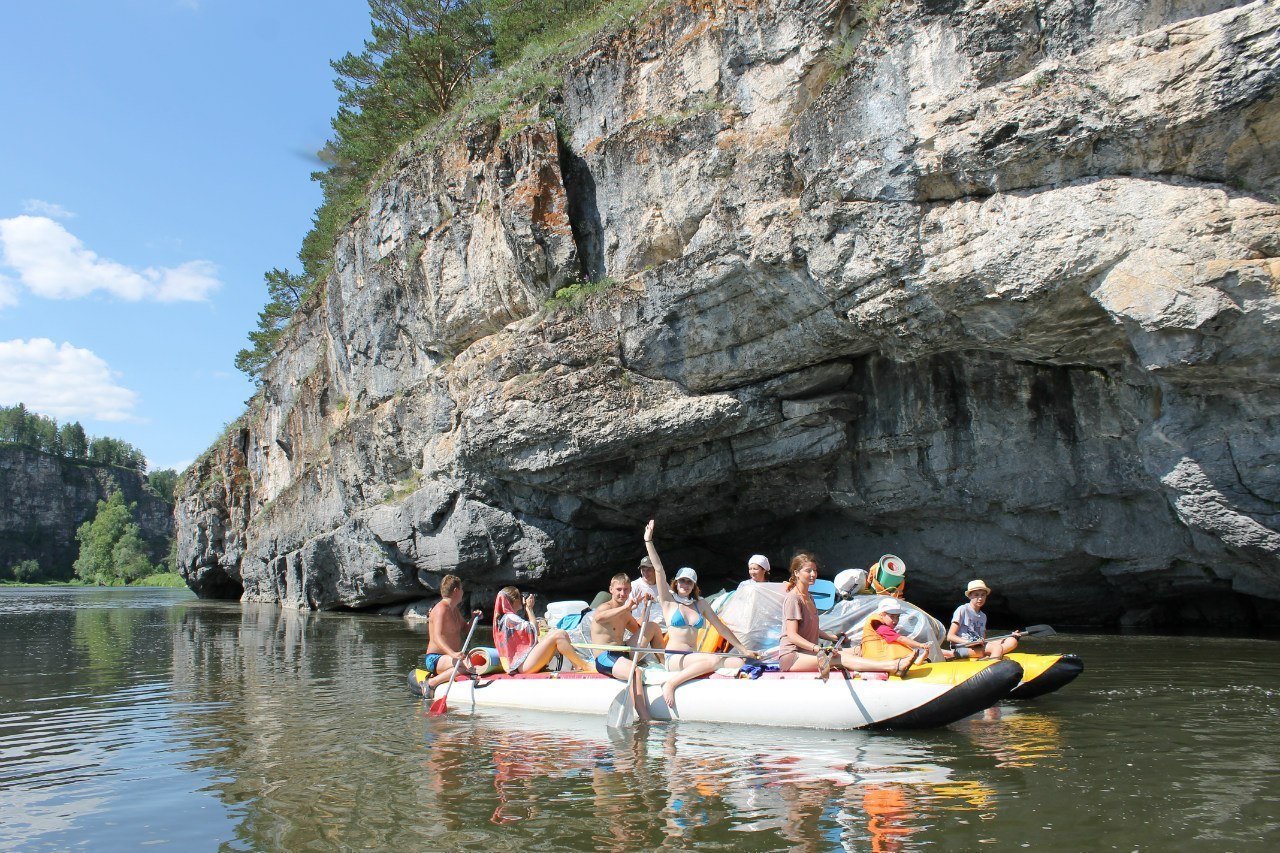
(875,648)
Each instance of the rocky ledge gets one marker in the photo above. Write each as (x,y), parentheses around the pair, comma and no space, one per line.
(992,285)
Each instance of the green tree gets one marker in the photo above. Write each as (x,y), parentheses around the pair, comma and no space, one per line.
(74,442)
(27,571)
(515,23)
(163,482)
(129,556)
(112,535)
(286,292)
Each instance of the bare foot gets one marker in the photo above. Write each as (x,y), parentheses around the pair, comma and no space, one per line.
(669,694)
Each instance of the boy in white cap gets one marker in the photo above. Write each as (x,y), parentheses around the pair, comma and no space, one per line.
(758,568)
(968,631)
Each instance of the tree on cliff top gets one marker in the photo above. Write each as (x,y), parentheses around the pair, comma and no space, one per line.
(19,425)
(112,550)
(420,58)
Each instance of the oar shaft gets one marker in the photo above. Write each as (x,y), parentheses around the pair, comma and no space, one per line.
(441,705)
(615,648)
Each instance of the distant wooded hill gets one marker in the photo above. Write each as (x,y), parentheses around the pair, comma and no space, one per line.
(51,479)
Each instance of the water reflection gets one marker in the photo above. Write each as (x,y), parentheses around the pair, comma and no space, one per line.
(682,785)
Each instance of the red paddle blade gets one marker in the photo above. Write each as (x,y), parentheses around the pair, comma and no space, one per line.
(439,707)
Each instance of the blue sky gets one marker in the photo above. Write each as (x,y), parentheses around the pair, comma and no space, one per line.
(156,158)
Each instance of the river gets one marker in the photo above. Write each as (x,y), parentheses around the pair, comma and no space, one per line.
(146,717)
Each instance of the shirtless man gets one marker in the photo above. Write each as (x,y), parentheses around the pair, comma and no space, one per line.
(610,623)
(444,632)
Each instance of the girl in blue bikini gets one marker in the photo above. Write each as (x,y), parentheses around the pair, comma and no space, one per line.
(686,613)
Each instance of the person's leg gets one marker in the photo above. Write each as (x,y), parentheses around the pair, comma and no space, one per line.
(693,666)
(540,655)
(622,669)
(444,669)
(856,663)
(1000,648)
(565,647)
(803,663)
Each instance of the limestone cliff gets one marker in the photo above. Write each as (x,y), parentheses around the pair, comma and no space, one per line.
(45,498)
(992,285)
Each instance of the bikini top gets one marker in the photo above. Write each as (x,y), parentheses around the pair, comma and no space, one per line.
(678,620)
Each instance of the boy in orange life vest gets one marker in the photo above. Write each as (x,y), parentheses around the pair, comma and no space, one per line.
(881,640)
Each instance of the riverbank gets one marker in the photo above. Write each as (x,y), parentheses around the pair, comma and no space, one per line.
(160,579)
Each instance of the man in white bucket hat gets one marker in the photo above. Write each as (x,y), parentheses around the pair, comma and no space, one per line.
(968,631)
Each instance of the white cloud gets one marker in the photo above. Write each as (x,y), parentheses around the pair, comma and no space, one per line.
(65,382)
(53,263)
(46,208)
(8,291)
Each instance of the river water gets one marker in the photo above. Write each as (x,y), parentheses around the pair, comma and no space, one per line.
(131,717)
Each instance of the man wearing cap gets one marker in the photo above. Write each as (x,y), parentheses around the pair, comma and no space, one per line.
(644,596)
(758,568)
(968,631)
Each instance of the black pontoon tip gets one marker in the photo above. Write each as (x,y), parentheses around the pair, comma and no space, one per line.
(975,694)
(1060,673)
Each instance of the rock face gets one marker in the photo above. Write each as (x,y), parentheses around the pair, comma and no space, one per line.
(45,498)
(993,286)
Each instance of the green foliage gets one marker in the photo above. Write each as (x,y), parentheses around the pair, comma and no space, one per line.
(111,546)
(27,571)
(869,10)
(706,105)
(285,291)
(517,23)
(163,483)
(404,488)
(576,296)
(74,442)
(20,426)
(113,451)
(162,579)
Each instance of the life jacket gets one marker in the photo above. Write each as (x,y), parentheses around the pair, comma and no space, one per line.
(874,646)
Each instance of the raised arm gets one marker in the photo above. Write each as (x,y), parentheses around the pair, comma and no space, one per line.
(714,619)
(664,591)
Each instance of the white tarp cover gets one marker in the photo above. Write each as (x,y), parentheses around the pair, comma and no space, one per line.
(754,612)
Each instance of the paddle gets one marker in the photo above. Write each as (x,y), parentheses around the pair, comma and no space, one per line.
(824,595)
(1031,631)
(608,648)
(622,711)
(440,706)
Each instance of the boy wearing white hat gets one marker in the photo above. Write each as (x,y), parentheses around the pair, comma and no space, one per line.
(968,631)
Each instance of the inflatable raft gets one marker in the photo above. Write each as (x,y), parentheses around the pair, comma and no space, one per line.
(1043,674)
(929,696)
(754,612)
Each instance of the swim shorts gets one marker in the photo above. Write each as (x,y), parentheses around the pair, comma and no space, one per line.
(429,663)
(605,662)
